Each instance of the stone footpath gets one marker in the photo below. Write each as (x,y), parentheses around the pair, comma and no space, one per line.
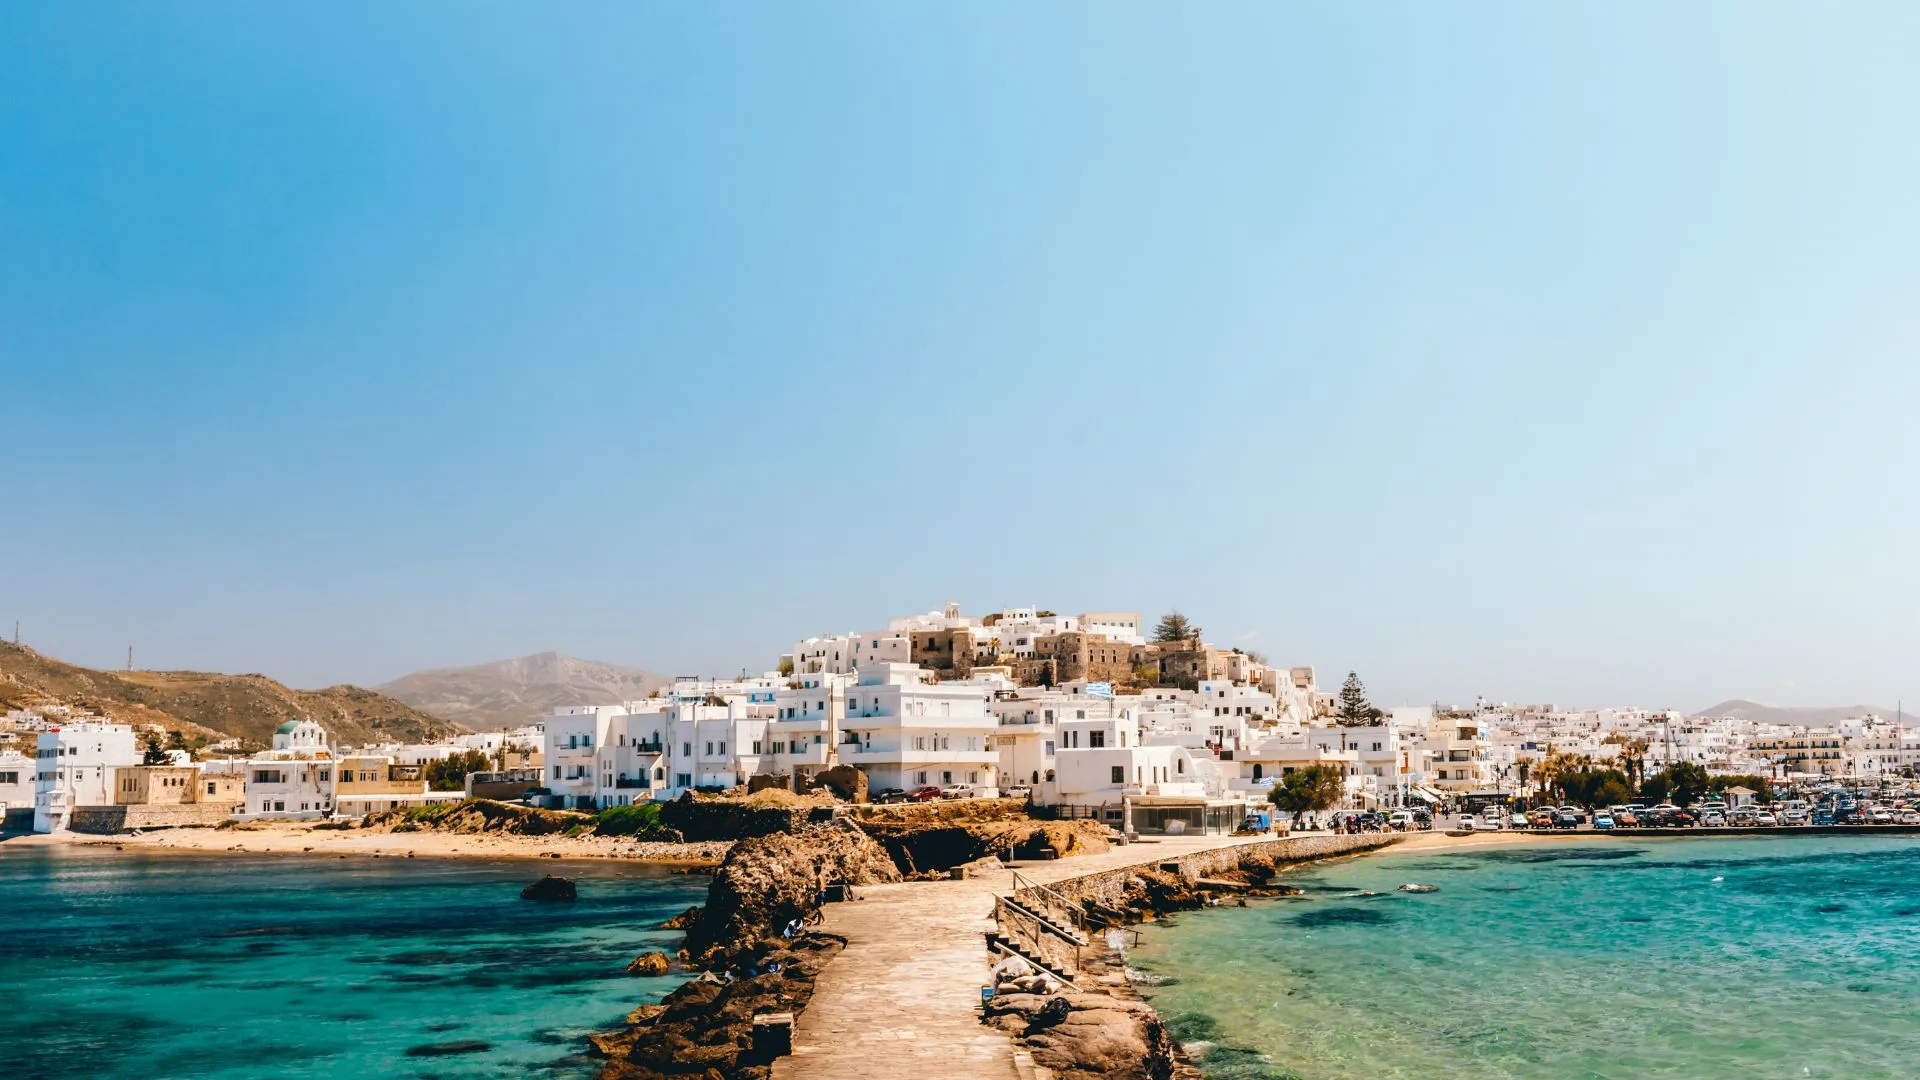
(902,1000)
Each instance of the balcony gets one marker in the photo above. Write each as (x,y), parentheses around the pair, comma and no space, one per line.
(888,756)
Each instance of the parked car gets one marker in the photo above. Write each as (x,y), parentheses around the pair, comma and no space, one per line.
(1021,792)
(923,794)
(1493,820)
(1564,818)
(1516,820)
(888,795)
(1541,819)
(1626,818)
(959,791)
(1603,821)
(1765,819)
(1907,817)
(1879,815)
(1579,815)
(1713,819)
(1822,816)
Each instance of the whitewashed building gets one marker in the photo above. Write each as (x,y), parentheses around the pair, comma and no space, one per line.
(16,780)
(74,766)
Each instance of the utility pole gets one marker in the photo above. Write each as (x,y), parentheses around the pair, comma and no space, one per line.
(129,658)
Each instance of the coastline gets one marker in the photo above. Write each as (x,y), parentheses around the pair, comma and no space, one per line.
(303,839)
(1117,978)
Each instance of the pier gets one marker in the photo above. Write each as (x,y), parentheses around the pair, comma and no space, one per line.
(903,999)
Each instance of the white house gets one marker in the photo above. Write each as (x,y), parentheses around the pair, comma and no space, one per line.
(74,766)
(293,780)
(16,780)
(574,738)
(904,732)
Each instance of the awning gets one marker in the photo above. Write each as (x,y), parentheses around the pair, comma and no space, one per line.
(1421,794)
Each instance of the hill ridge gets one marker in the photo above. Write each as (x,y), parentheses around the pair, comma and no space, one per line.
(246,706)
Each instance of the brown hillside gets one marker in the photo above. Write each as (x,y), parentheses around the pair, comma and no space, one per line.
(246,706)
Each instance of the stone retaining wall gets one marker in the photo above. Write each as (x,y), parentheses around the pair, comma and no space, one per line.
(113,819)
(1108,886)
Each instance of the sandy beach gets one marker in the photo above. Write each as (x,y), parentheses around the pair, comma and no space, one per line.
(296,838)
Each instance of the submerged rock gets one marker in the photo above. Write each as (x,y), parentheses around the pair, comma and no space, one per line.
(649,964)
(550,888)
(447,1049)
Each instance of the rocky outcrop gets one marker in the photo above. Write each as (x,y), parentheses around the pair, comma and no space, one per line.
(762,813)
(770,883)
(933,848)
(649,964)
(847,783)
(684,920)
(1083,1036)
(477,816)
(551,888)
(705,1028)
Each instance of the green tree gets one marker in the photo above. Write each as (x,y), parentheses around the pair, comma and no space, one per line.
(1313,788)
(1355,710)
(155,753)
(1173,628)
(450,773)
(1654,789)
(1597,787)
(1551,773)
(1686,782)
(1758,784)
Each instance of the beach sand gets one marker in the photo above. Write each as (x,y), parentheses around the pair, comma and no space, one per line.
(298,838)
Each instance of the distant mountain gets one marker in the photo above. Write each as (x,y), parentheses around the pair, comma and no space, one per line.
(1809,716)
(510,693)
(247,707)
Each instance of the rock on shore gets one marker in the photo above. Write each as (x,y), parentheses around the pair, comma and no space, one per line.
(768,882)
(1081,1036)
(705,1028)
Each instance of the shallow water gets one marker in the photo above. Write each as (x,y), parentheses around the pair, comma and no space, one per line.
(122,964)
(1580,960)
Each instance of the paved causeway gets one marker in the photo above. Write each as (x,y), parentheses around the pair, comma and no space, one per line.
(902,1000)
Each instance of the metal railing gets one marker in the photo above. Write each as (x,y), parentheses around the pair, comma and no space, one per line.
(1044,942)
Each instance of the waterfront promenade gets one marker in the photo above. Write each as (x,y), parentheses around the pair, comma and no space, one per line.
(902,1000)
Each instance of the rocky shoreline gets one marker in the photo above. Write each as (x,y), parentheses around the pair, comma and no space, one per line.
(1105,1028)
(755,956)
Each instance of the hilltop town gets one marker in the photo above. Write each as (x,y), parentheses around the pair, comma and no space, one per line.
(1097,715)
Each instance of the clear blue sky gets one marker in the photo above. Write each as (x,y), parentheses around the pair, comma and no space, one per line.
(1553,351)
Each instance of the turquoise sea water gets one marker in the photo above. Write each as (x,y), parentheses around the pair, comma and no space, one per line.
(1574,960)
(156,966)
